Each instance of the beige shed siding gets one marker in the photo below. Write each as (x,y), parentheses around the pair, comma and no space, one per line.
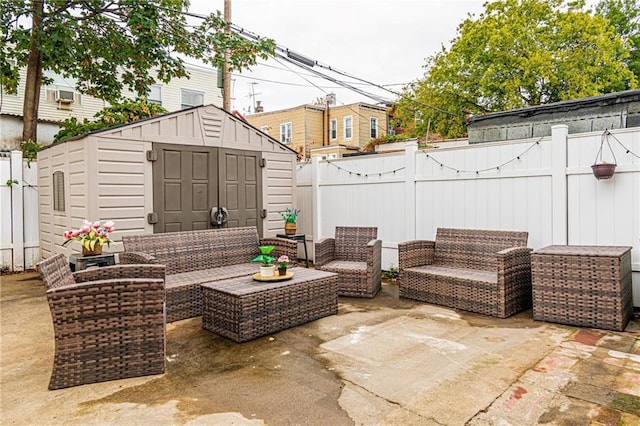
(45,203)
(123,173)
(277,183)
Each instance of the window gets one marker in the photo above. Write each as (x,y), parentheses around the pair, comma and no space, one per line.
(348,127)
(264,129)
(191,98)
(155,94)
(333,129)
(58,191)
(374,127)
(285,132)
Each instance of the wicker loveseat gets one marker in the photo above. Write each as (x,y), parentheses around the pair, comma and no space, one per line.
(108,323)
(196,257)
(355,254)
(488,272)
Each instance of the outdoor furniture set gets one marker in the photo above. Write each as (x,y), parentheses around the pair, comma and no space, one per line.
(109,322)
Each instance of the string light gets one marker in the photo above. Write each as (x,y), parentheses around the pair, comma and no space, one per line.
(365,175)
(477,172)
(627,150)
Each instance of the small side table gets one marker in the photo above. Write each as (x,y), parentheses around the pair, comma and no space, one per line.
(588,286)
(301,238)
(78,262)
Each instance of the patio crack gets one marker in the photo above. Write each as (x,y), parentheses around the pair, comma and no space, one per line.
(397,404)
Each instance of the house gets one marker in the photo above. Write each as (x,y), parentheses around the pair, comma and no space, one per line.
(330,129)
(619,110)
(60,100)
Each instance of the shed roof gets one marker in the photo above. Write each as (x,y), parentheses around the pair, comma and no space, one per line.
(195,123)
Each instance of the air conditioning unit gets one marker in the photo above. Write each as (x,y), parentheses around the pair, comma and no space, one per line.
(65,96)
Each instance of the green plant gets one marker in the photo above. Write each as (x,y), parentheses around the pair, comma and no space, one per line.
(90,234)
(290,216)
(11,182)
(392,273)
(30,150)
(263,257)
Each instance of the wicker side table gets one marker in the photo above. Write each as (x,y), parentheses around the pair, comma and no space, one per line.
(587,286)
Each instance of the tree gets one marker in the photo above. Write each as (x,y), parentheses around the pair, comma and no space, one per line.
(518,53)
(624,15)
(110,45)
(118,113)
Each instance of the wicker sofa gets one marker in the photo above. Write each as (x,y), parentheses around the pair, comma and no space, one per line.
(109,323)
(488,272)
(196,257)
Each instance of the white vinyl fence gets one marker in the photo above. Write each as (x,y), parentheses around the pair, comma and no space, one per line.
(19,231)
(544,186)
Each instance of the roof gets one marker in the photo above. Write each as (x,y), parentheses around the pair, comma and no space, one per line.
(562,106)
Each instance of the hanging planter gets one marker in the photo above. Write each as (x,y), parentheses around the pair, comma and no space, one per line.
(602,169)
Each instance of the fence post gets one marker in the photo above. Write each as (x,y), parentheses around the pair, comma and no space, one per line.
(17,210)
(316,201)
(560,207)
(410,150)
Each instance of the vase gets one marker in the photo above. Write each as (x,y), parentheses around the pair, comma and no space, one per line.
(267,271)
(290,228)
(603,170)
(282,271)
(97,249)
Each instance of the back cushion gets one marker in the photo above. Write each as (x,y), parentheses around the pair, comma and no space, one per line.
(196,250)
(351,242)
(474,248)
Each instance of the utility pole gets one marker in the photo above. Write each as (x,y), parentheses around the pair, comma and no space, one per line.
(226,76)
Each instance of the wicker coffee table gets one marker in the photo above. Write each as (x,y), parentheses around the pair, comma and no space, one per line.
(243,309)
(588,286)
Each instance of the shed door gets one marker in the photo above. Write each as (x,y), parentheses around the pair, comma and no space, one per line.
(190,181)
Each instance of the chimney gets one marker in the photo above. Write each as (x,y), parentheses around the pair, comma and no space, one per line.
(259,107)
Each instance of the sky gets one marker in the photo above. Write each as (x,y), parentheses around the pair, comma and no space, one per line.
(384,42)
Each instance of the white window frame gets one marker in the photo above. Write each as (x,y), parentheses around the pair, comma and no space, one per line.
(264,129)
(184,105)
(286,132)
(153,100)
(348,128)
(333,129)
(373,125)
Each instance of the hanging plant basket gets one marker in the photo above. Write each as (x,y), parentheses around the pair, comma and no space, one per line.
(601,169)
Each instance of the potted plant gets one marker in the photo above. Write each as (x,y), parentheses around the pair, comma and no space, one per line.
(602,169)
(266,268)
(290,218)
(283,261)
(92,235)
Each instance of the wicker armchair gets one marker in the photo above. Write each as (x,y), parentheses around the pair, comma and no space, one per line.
(356,255)
(482,271)
(109,323)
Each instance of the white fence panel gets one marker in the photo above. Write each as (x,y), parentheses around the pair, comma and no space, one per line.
(543,186)
(19,229)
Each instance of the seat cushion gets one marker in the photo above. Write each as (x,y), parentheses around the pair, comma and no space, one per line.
(344,266)
(212,274)
(457,273)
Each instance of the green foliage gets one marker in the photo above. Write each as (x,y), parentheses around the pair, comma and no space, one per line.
(264,258)
(30,150)
(11,182)
(118,113)
(289,215)
(109,46)
(624,15)
(392,273)
(517,53)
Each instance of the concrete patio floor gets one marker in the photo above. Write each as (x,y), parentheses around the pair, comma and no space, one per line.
(384,361)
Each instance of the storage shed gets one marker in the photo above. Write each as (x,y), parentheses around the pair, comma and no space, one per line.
(197,168)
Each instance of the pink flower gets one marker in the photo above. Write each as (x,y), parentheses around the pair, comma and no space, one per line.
(67,235)
(284,258)
(85,229)
(96,225)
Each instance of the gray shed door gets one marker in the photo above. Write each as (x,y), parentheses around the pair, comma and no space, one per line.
(193,184)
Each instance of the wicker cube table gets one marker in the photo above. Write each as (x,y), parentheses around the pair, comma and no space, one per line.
(587,286)
(242,309)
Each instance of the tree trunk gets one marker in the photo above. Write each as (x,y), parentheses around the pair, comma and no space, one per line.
(34,77)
